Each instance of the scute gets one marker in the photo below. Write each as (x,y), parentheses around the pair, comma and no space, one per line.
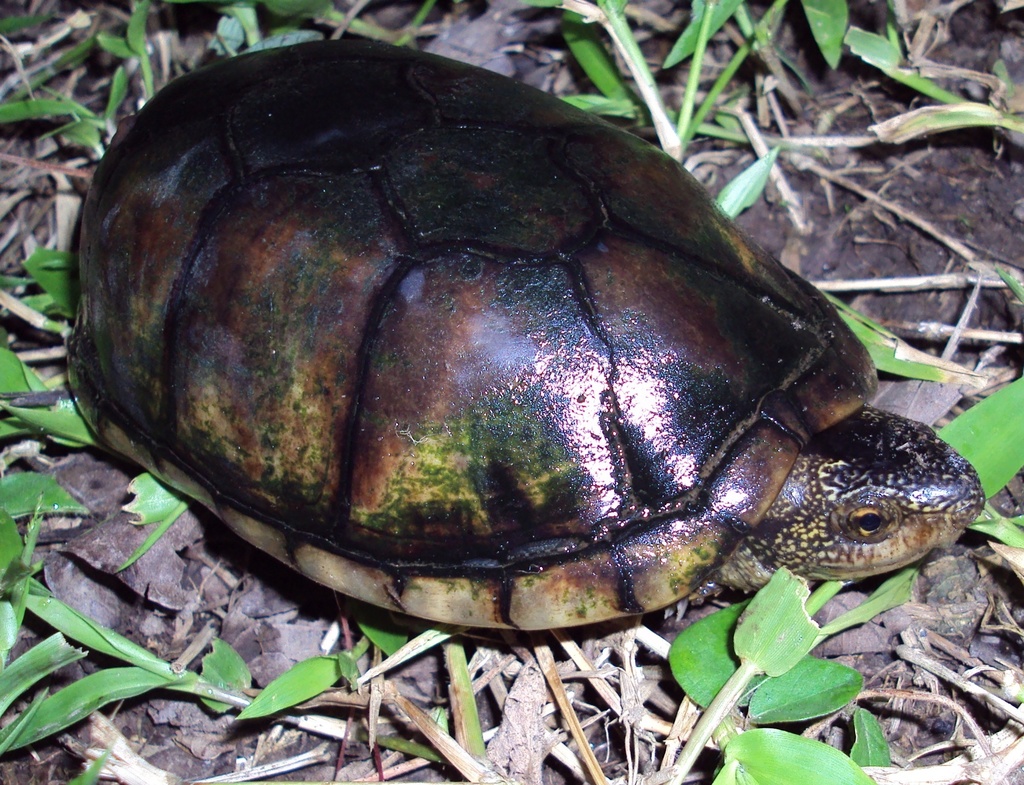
(442,341)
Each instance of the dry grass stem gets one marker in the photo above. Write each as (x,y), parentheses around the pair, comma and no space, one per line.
(421,643)
(467,765)
(918,283)
(790,198)
(933,666)
(547,665)
(937,331)
(803,162)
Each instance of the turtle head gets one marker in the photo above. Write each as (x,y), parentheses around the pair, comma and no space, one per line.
(872,493)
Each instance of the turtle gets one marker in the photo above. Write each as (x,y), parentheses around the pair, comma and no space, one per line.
(445,343)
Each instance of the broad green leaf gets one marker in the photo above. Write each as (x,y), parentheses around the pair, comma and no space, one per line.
(869,746)
(15,376)
(135,35)
(84,133)
(991,436)
(291,38)
(153,501)
(702,657)
(379,626)
(604,107)
(57,273)
(225,668)
(230,36)
(812,688)
(296,9)
(767,756)
(11,545)
(775,632)
(893,355)
(26,493)
(302,681)
(873,49)
(886,56)
(828,20)
(746,188)
(118,91)
(91,775)
(1007,530)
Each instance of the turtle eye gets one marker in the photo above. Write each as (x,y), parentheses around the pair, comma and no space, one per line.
(866,522)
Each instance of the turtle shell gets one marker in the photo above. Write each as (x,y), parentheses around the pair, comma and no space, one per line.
(442,341)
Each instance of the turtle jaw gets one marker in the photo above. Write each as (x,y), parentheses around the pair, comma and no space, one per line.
(869,495)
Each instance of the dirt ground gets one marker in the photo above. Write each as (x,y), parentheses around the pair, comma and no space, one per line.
(968,185)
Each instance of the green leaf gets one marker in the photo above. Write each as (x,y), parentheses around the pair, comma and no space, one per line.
(812,688)
(230,36)
(291,38)
(80,698)
(91,775)
(41,108)
(84,133)
(893,355)
(296,9)
(891,594)
(873,49)
(63,421)
(11,545)
(886,56)
(21,723)
(686,44)
(828,20)
(775,631)
(991,436)
(118,91)
(115,45)
(302,681)
(605,107)
(226,669)
(869,747)
(379,626)
(26,493)
(135,35)
(587,47)
(40,661)
(746,188)
(15,24)
(15,376)
(1006,530)
(702,657)
(153,501)
(767,756)
(57,273)
(95,636)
